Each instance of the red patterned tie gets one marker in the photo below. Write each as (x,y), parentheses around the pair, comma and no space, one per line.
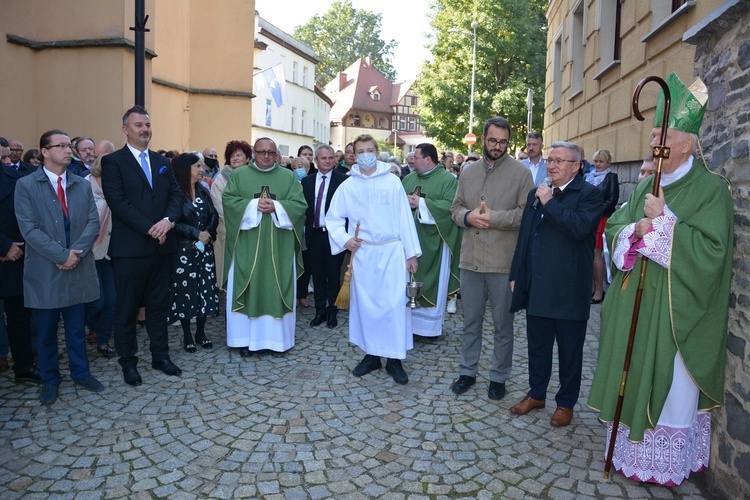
(61,196)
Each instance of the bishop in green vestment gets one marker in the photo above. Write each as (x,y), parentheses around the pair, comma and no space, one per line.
(264,211)
(431,189)
(677,370)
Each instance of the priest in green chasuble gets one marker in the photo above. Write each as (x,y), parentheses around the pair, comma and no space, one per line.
(431,189)
(264,211)
(676,375)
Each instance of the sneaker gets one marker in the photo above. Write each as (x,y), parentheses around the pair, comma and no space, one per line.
(450,308)
(396,370)
(369,363)
(91,384)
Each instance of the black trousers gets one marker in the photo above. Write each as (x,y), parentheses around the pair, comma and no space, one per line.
(570,335)
(142,281)
(326,271)
(18,320)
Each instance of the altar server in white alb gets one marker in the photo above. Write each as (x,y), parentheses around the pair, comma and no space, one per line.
(383,254)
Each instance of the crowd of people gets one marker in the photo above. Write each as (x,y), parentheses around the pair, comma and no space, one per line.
(99,234)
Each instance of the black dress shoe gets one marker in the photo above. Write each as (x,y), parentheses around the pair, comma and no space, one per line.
(496,391)
(369,363)
(190,347)
(245,352)
(106,351)
(462,384)
(30,375)
(206,344)
(332,322)
(318,319)
(395,370)
(131,376)
(167,367)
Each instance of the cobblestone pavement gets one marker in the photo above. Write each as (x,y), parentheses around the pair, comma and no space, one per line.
(299,425)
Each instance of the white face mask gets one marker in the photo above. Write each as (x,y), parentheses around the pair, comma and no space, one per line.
(367,160)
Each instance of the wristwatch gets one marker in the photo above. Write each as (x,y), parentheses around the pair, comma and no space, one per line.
(170,220)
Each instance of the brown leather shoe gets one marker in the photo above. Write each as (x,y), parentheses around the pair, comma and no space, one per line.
(526,405)
(561,417)
(91,337)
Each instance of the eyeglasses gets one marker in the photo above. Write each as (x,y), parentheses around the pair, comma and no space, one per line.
(61,146)
(16,150)
(492,142)
(265,153)
(560,161)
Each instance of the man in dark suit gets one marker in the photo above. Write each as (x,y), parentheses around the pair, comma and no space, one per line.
(551,278)
(318,189)
(11,280)
(16,153)
(142,193)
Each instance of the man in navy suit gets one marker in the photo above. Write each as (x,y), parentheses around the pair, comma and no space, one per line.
(551,278)
(326,268)
(11,278)
(142,193)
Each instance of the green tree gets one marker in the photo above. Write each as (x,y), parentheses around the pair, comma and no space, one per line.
(343,35)
(511,58)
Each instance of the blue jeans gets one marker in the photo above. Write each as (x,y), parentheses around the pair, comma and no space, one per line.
(100,314)
(75,341)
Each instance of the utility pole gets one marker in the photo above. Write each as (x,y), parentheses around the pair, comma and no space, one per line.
(140,51)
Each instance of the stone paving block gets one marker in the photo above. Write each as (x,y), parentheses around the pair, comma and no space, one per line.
(222,433)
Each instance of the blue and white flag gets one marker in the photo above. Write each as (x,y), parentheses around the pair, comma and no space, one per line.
(276,83)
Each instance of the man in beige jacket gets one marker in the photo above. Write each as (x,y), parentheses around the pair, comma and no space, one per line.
(489,203)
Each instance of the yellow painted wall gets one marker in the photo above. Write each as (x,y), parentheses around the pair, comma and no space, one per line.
(84,91)
(602,117)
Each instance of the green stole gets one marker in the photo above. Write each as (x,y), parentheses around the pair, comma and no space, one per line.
(268,259)
(438,188)
(683,308)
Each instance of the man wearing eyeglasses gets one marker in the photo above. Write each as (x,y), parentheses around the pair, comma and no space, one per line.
(264,211)
(59,221)
(488,205)
(551,278)
(16,153)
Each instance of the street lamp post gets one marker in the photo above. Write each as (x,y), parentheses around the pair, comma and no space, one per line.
(470,138)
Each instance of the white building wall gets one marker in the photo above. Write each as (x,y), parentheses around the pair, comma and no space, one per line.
(298,121)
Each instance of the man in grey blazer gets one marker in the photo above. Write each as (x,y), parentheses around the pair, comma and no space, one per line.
(58,219)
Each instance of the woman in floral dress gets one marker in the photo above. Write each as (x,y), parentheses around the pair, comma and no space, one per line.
(193,292)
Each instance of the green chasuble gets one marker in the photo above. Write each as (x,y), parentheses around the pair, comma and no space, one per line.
(267,259)
(438,188)
(683,308)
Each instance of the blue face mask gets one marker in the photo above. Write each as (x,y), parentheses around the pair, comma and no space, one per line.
(367,160)
(300,173)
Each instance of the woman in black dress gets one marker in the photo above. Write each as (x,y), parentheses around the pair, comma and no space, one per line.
(193,291)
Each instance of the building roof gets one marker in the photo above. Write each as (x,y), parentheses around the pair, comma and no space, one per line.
(351,89)
(285,40)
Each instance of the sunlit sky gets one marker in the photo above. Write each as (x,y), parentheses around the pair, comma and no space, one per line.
(409,32)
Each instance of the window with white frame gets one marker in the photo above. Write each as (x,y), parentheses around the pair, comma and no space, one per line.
(294,71)
(302,122)
(294,116)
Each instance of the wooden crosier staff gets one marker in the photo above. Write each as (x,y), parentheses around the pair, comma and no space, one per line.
(342,299)
(660,153)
